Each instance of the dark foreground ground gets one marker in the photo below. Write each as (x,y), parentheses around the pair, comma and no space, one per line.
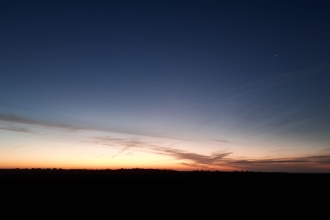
(134,187)
(143,192)
(147,176)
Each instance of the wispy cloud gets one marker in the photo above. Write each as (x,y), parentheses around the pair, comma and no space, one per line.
(294,149)
(12,118)
(156,148)
(223,141)
(22,120)
(314,163)
(122,150)
(307,159)
(183,157)
(219,159)
(16,147)
(109,138)
(197,166)
(267,161)
(48,125)
(25,130)
(194,157)
(130,154)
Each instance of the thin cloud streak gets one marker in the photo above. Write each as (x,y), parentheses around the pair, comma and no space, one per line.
(307,159)
(22,120)
(197,166)
(24,130)
(17,119)
(16,147)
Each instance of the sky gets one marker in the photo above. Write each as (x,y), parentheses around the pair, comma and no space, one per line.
(184,85)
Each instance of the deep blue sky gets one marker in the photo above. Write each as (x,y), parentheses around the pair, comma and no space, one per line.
(229,70)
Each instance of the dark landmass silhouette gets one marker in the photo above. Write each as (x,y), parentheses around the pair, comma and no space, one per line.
(154,176)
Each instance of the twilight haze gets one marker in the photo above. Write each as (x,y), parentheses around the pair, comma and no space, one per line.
(185,85)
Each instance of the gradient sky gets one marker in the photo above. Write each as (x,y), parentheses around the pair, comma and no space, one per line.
(223,85)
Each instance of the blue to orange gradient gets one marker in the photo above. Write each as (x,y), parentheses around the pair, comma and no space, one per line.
(179,85)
